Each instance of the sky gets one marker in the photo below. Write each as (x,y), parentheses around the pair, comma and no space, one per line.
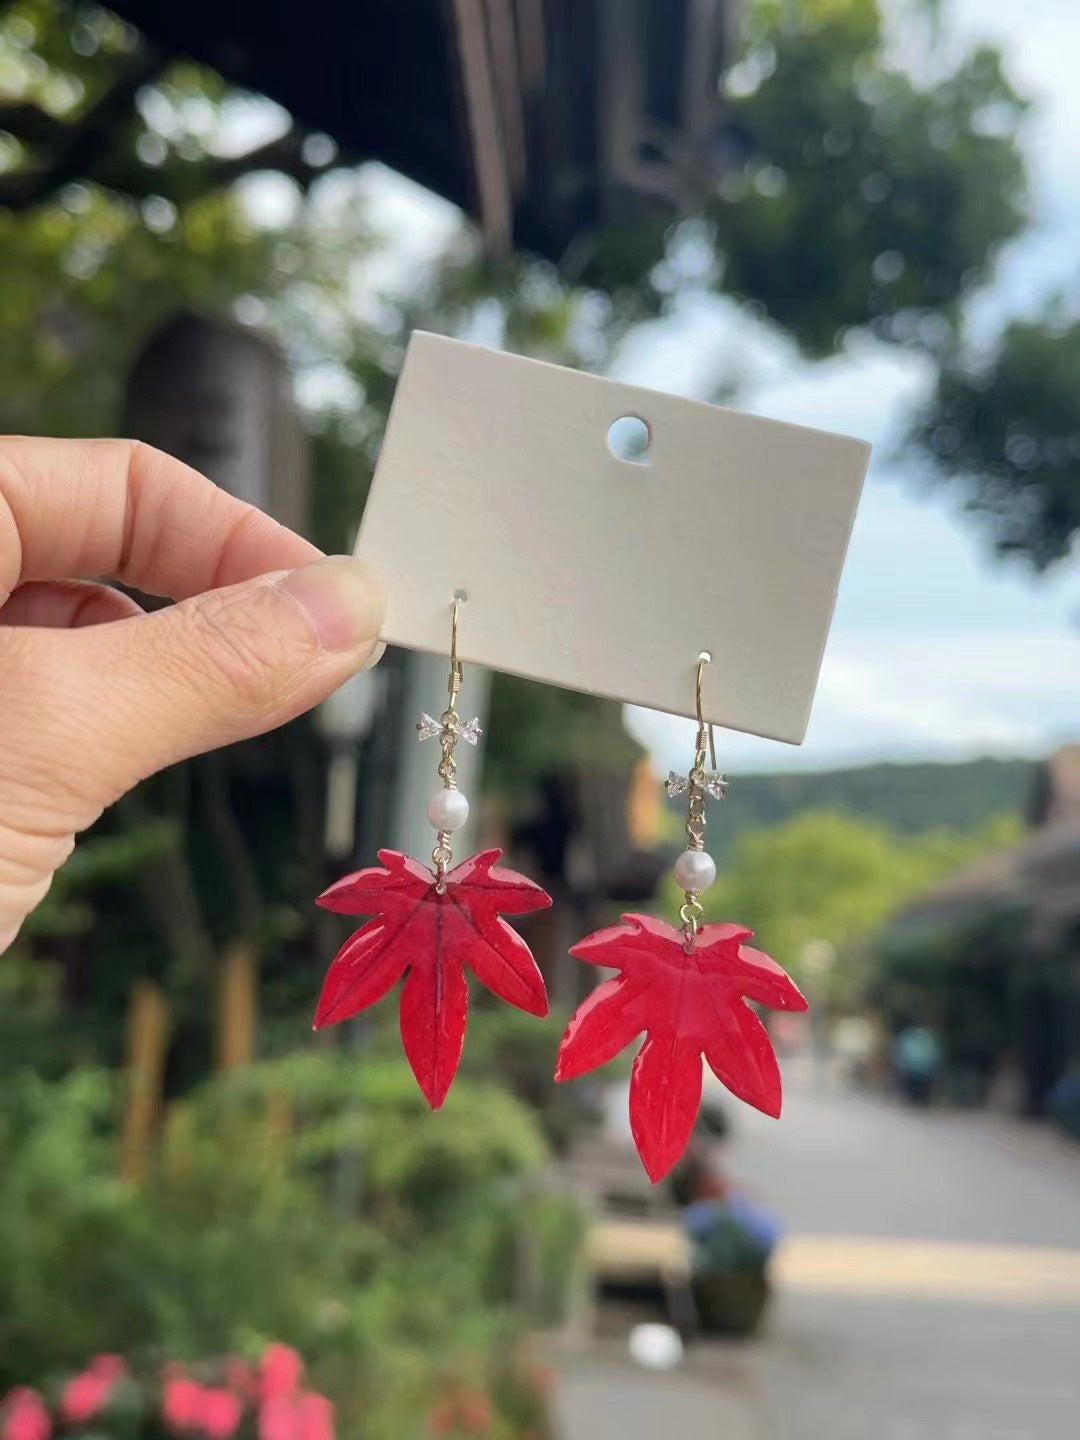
(938,650)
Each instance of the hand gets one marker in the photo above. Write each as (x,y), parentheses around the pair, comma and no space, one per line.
(94,694)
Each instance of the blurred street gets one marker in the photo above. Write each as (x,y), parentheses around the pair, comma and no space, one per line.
(928,1287)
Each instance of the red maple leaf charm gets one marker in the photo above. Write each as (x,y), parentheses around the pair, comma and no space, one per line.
(690,1002)
(433,934)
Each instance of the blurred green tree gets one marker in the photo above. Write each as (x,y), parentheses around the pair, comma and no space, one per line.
(866,199)
(849,194)
(1005,429)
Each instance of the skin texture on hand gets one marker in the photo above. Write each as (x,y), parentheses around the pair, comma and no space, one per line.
(94,694)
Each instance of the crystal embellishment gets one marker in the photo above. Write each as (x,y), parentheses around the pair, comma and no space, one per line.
(676,784)
(453,728)
(716,785)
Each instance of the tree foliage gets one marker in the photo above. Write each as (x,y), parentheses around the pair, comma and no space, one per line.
(846,194)
(908,799)
(864,198)
(1005,430)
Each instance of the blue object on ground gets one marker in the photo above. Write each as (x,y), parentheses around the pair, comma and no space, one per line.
(703,1218)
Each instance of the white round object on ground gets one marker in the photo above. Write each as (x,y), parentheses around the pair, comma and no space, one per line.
(448,810)
(656,1347)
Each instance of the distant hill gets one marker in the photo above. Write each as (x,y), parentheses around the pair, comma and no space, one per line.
(907,798)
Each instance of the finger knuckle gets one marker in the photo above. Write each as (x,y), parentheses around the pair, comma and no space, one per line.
(28,861)
(43,757)
(249,650)
(28,856)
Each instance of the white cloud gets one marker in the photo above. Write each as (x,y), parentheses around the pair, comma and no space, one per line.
(911,696)
(867,392)
(949,693)
(707,342)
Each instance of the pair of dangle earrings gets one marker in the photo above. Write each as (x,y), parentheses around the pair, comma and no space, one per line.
(685,987)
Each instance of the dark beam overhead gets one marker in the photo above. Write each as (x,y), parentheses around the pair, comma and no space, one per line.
(544,119)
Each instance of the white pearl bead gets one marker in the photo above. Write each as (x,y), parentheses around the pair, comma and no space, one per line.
(695,871)
(448,810)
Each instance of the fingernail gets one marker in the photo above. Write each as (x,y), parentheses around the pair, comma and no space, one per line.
(344,598)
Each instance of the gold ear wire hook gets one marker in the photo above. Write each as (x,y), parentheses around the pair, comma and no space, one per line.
(703,660)
(457,674)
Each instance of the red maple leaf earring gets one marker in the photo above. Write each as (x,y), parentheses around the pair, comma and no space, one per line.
(434,922)
(686,988)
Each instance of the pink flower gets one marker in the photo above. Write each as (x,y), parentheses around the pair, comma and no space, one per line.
(277,1418)
(304,1416)
(24,1416)
(181,1402)
(84,1396)
(315,1418)
(279,1372)
(220,1413)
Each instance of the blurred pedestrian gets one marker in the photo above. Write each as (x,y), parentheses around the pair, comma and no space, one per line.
(917,1059)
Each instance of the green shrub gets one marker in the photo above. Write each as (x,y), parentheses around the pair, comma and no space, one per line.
(442,1247)
(520,1050)
(220,1247)
(413,1169)
(70,1256)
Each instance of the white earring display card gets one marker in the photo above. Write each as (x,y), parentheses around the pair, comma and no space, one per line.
(726,533)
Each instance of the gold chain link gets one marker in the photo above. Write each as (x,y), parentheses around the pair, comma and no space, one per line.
(695,794)
(443,853)
(449,738)
(691,911)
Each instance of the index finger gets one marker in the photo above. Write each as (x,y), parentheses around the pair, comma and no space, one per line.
(121,510)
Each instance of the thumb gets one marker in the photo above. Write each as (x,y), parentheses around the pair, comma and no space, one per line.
(224,665)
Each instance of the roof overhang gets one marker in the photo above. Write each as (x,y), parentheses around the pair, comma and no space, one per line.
(544,119)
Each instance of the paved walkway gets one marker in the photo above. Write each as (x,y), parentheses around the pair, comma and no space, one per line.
(608,1398)
(929,1289)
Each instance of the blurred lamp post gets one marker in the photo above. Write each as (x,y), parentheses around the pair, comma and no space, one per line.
(818,958)
(217,395)
(343,721)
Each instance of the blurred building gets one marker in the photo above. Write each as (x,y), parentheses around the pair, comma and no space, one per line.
(993,954)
